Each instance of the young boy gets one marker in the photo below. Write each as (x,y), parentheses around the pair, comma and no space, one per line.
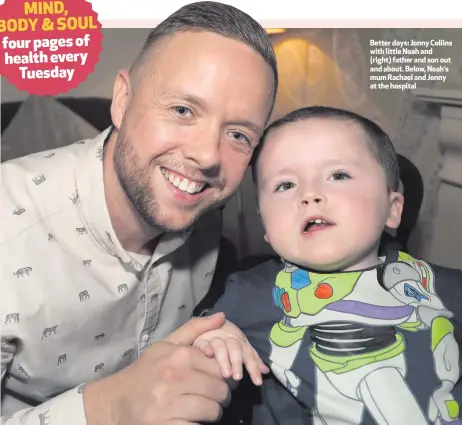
(362,339)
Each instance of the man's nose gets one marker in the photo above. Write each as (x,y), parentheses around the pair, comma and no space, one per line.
(204,149)
(310,198)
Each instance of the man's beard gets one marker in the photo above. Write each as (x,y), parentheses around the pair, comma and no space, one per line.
(136,183)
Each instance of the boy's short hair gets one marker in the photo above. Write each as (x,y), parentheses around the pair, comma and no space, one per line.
(379,142)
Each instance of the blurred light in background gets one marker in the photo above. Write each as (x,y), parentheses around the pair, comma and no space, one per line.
(272,31)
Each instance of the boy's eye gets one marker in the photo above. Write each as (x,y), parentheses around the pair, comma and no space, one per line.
(340,175)
(284,186)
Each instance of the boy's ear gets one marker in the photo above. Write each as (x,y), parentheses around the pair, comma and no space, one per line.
(396,209)
(259,215)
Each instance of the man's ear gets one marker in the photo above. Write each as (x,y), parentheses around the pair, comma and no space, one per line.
(396,209)
(120,97)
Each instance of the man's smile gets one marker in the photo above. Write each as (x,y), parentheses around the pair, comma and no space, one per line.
(184,184)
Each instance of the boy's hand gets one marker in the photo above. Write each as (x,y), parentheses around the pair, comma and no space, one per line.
(231,349)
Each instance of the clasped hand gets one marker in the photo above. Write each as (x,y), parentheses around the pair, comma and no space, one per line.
(232,350)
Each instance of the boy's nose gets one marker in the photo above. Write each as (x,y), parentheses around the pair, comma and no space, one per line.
(312,198)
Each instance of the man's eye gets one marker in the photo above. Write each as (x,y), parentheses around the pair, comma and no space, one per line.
(182,110)
(281,187)
(238,136)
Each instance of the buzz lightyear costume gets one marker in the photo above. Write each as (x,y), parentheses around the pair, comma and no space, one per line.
(354,320)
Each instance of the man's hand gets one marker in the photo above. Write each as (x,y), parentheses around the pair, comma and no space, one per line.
(172,383)
(232,349)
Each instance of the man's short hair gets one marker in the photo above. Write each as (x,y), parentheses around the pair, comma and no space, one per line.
(218,18)
(378,141)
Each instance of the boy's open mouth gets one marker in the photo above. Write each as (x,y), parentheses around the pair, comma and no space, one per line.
(316,224)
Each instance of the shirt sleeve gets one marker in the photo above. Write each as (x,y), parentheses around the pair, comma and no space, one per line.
(66,408)
(7,353)
(247,302)
(228,302)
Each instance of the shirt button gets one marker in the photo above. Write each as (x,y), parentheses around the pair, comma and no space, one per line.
(145,337)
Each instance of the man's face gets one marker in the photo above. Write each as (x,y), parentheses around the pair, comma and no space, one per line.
(323,196)
(188,126)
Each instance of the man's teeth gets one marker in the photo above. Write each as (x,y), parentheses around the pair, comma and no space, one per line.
(183,184)
(317,221)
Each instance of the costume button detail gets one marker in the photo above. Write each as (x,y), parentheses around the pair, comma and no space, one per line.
(300,279)
(281,299)
(324,291)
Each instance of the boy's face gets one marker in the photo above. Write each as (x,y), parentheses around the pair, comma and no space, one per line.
(323,169)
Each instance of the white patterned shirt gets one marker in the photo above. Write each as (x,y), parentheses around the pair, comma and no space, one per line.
(75,306)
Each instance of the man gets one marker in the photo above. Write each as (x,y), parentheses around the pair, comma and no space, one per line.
(107,245)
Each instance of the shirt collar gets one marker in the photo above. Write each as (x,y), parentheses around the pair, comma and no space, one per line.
(92,202)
